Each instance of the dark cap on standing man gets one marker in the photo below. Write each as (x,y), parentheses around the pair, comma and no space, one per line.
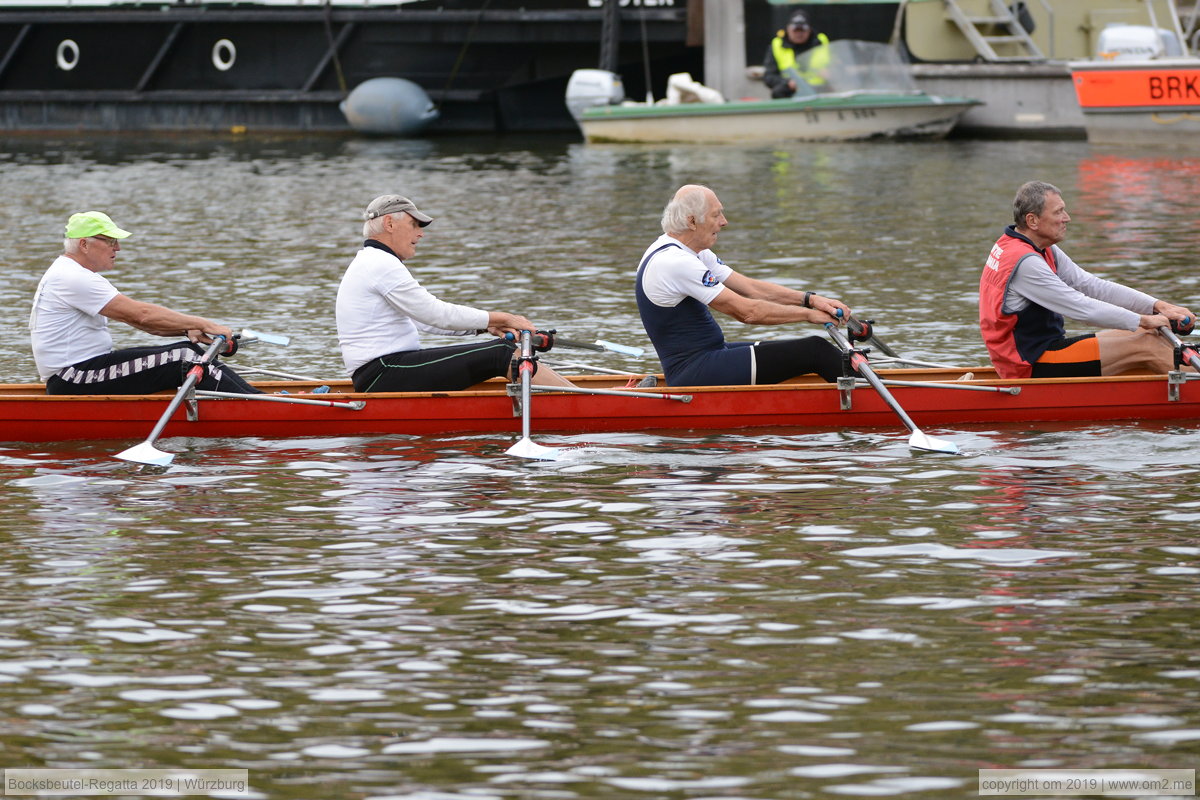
(799,20)
(394,204)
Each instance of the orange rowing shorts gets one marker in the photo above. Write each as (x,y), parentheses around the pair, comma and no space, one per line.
(1077,357)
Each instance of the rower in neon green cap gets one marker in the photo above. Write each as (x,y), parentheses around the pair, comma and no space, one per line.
(68,326)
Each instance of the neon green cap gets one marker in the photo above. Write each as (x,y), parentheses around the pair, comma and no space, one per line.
(93,223)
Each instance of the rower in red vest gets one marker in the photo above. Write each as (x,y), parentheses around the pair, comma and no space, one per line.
(1029,285)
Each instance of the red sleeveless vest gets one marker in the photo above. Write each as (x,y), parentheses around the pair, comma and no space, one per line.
(1000,330)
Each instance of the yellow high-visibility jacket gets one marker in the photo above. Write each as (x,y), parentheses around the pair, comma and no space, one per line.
(818,60)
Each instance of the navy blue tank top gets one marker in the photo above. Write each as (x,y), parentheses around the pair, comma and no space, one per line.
(678,334)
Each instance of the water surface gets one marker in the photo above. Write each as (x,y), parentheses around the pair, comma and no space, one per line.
(736,614)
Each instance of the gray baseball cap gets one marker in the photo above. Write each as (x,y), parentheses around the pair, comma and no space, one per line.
(393,204)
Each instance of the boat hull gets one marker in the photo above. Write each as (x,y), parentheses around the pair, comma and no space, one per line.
(28,415)
(1140,102)
(821,118)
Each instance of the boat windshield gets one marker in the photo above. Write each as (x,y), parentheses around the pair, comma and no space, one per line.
(850,65)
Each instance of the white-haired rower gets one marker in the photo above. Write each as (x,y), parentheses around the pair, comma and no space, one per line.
(680,278)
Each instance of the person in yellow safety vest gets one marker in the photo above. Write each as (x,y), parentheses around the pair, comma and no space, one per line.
(781,72)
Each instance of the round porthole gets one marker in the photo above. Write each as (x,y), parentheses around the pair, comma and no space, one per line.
(68,55)
(223,54)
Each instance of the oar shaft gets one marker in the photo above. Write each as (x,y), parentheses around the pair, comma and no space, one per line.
(527,448)
(1187,351)
(560,340)
(883,348)
(857,329)
(526,374)
(193,377)
(859,362)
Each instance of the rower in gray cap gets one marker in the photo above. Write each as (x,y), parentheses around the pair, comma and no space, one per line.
(382,311)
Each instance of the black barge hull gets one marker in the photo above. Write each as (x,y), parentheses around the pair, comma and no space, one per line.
(488,66)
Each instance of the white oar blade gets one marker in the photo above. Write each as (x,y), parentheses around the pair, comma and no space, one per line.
(621,348)
(146,453)
(527,448)
(269,338)
(923,441)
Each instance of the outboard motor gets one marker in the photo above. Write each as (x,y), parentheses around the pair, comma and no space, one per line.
(1120,42)
(593,87)
(389,107)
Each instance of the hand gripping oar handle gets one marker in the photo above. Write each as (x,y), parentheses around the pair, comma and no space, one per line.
(146,453)
(919,439)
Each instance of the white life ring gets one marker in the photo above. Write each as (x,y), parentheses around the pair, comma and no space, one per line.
(223,54)
(67,56)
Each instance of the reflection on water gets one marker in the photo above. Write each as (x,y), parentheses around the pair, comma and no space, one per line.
(694,615)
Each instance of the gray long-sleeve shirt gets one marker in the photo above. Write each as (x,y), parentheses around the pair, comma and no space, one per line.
(1075,293)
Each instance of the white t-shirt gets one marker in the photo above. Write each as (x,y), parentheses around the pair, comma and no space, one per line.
(381,307)
(679,272)
(65,324)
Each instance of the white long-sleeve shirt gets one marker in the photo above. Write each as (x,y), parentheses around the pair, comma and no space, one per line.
(1075,293)
(381,309)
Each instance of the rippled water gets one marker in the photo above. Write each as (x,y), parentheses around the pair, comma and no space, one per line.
(766,614)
